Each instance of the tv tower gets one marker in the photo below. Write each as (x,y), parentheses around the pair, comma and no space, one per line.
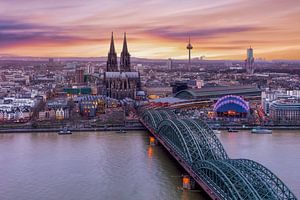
(189,47)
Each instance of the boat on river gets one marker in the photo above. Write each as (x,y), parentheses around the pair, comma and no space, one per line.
(65,131)
(231,130)
(121,131)
(260,130)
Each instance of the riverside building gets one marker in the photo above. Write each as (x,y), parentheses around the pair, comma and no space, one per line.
(285,110)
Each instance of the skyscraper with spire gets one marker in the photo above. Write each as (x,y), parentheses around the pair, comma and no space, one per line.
(125,57)
(112,63)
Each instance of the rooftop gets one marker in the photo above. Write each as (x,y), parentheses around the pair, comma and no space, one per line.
(218,92)
(286,103)
(121,74)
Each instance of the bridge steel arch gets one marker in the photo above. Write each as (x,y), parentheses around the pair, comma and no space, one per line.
(262,187)
(195,143)
(225,180)
(154,117)
(242,179)
(210,144)
(148,118)
(179,137)
(275,188)
(202,139)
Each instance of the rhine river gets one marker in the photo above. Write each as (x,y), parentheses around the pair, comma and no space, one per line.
(112,166)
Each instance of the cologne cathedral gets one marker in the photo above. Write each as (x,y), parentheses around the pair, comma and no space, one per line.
(120,81)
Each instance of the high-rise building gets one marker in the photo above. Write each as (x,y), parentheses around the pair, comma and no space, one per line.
(120,82)
(169,64)
(249,62)
(90,69)
(51,62)
(79,76)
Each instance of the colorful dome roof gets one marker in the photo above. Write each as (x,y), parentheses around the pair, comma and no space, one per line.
(232,102)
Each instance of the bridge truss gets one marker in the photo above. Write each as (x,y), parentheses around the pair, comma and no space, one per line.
(194,142)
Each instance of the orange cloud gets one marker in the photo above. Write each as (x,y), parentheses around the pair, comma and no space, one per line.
(156,29)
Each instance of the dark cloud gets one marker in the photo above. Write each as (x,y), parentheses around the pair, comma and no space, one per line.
(11,39)
(44,38)
(10,25)
(172,33)
(14,33)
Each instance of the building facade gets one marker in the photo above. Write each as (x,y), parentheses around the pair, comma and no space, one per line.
(120,82)
(285,111)
(79,76)
(57,109)
(249,62)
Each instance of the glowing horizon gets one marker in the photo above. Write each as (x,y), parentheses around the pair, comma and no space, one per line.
(155,29)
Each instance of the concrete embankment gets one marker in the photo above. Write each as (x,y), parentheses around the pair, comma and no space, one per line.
(44,130)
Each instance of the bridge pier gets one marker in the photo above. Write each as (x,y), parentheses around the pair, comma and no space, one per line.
(188,183)
(152,141)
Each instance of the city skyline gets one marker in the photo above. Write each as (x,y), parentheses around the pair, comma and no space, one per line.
(155,29)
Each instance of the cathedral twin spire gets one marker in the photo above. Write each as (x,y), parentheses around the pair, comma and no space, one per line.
(125,57)
(112,63)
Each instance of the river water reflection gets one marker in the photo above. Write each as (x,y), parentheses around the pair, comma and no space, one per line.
(115,166)
(280,152)
(87,166)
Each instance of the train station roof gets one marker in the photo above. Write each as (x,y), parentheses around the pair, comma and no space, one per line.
(170,100)
(216,92)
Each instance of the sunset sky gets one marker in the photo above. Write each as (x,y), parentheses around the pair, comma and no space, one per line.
(219,29)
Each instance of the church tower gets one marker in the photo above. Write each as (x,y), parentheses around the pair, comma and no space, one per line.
(112,63)
(125,57)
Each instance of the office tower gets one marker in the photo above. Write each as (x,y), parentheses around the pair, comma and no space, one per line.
(249,62)
(169,64)
(79,76)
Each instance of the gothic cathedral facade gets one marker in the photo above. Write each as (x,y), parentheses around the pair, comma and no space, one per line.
(120,81)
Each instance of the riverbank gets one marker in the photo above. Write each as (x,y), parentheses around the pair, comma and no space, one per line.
(137,127)
(43,130)
(240,128)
